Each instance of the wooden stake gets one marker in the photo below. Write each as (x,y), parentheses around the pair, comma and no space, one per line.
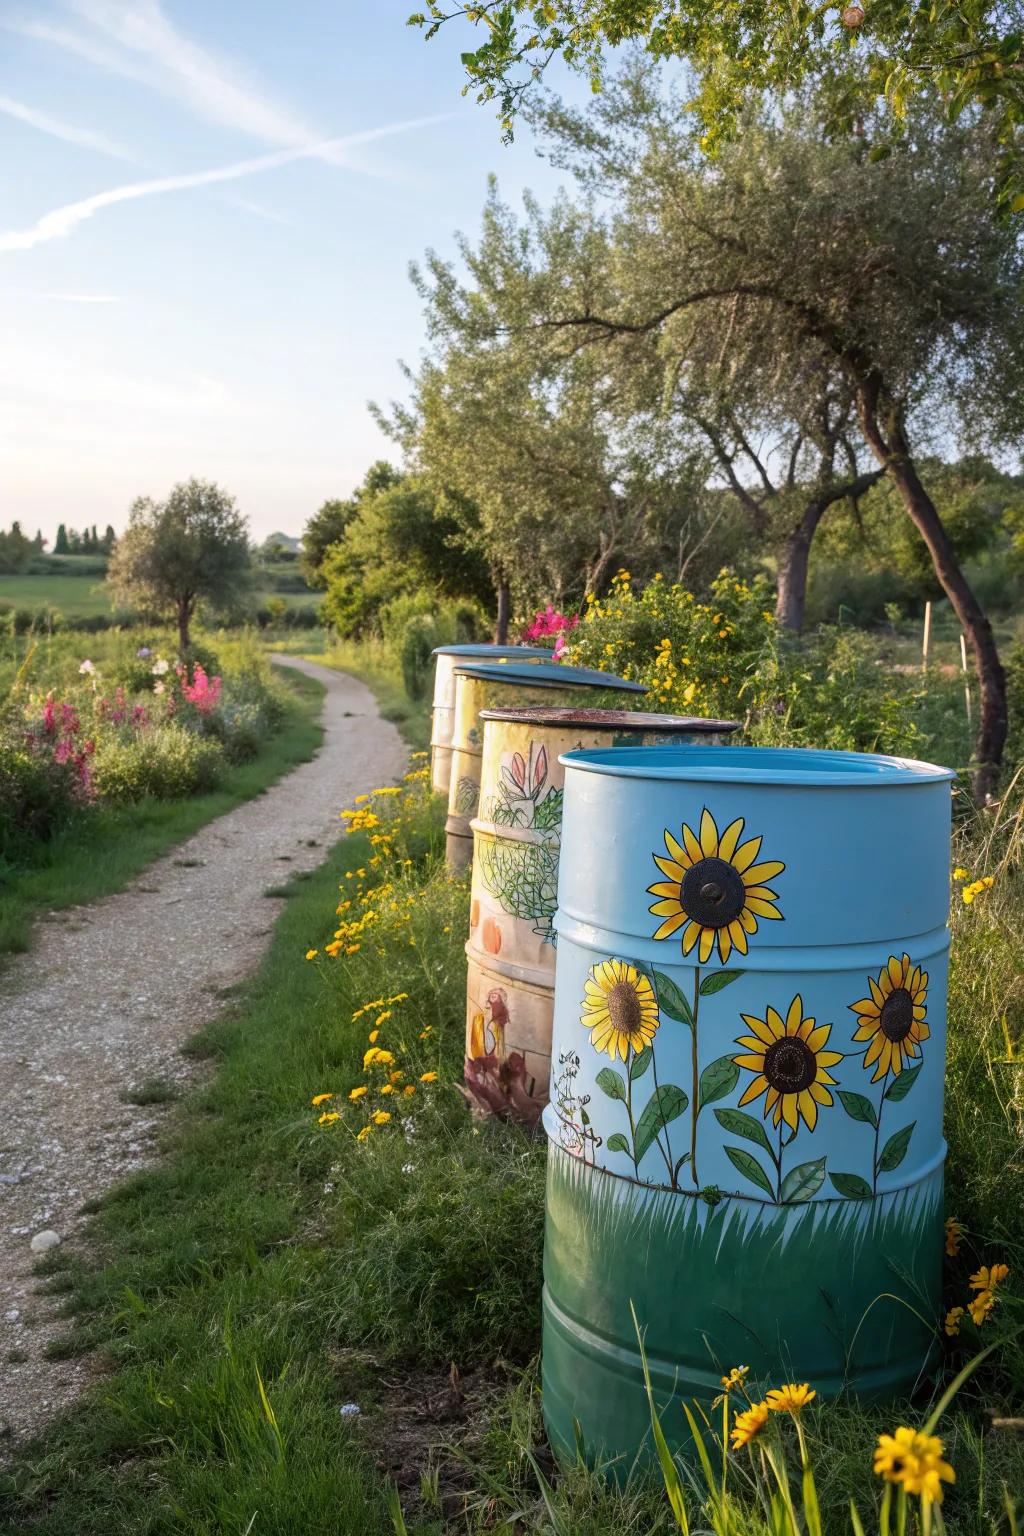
(926,642)
(967,686)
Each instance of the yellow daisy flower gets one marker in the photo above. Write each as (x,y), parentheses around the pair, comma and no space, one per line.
(954,1235)
(619,1008)
(714,888)
(749,1424)
(893,1017)
(381,1117)
(986,1279)
(790,1062)
(980,1306)
(364,1133)
(321,1098)
(952,1323)
(329,1118)
(357,1093)
(790,1398)
(914,1460)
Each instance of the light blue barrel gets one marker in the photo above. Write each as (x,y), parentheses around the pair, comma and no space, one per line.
(745,1115)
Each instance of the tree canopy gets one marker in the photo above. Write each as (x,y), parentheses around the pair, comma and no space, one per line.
(967,55)
(173,553)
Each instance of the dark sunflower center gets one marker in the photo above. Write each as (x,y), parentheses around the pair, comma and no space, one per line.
(790,1065)
(712,893)
(624,1008)
(897,1016)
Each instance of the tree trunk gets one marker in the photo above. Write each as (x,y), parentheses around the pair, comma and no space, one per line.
(501,621)
(184,615)
(795,555)
(794,558)
(895,458)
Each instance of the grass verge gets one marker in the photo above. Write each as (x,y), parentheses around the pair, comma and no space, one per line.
(275,1272)
(101,853)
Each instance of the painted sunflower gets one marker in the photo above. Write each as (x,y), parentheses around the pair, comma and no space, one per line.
(714,888)
(790,1063)
(893,1017)
(619,1008)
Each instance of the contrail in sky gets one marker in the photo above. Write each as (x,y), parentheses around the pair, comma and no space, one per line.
(62,221)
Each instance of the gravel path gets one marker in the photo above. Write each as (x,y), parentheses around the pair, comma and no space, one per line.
(106,998)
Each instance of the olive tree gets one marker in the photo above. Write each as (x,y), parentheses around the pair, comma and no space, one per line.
(173,553)
(793,257)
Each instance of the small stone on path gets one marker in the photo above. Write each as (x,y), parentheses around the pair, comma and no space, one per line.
(44,1241)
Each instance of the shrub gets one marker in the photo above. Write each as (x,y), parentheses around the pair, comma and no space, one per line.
(167,761)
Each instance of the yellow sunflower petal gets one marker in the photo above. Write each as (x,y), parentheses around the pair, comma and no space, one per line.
(774,1020)
(666,907)
(755,1091)
(708,834)
(729,839)
(758,873)
(829,1058)
(753,1043)
(724,944)
(707,944)
(678,852)
(895,970)
(865,1005)
(794,1015)
(670,925)
(738,935)
(753,1063)
(690,937)
(876,991)
(789,1110)
(747,921)
(746,853)
(693,847)
(761,908)
(760,1027)
(669,867)
(808,1107)
(817,1037)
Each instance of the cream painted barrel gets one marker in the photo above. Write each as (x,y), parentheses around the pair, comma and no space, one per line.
(517,839)
(508,686)
(442,720)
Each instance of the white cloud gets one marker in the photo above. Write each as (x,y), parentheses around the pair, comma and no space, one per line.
(80,298)
(62,221)
(135,39)
(87,138)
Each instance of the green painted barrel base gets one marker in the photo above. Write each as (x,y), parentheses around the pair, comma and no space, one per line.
(828,1292)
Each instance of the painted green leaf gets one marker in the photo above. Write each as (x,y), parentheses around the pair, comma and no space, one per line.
(618,1143)
(717,1080)
(901,1086)
(858,1107)
(738,1124)
(717,980)
(641,1061)
(895,1149)
(851,1185)
(680,1163)
(803,1182)
(671,1000)
(665,1104)
(584,1117)
(750,1168)
(610,1082)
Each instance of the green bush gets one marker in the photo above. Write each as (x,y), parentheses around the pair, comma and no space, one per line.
(167,761)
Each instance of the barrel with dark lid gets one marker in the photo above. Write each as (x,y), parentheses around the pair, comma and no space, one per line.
(516,834)
(479,687)
(442,719)
(745,1120)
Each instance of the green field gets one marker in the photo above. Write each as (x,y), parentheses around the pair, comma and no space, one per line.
(84,596)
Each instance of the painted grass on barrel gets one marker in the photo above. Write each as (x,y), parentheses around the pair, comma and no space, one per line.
(349,1272)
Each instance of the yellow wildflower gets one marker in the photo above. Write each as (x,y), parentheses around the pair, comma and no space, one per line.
(980,1306)
(357,1093)
(395,1077)
(961,874)
(328,1118)
(387,1088)
(364,1133)
(736,1377)
(321,1098)
(372,1036)
(311,954)
(914,1460)
(382,1016)
(987,1279)
(790,1398)
(409,1090)
(954,1234)
(381,1117)
(749,1424)
(952,1323)
(428,1077)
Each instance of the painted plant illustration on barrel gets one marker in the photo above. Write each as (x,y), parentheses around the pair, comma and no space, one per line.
(714,889)
(893,1022)
(790,1062)
(522,875)
(525,796)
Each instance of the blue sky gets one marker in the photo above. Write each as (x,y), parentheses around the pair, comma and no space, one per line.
(234,329)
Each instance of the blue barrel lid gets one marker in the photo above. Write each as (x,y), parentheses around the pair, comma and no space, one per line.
(550,675)
(755,765)
(483,650)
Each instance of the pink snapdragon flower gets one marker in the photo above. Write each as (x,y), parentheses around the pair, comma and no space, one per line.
(549,621)
(203,691)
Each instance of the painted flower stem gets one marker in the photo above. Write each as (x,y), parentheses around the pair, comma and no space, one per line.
(695,1095)
(668,1142)
(878,1133)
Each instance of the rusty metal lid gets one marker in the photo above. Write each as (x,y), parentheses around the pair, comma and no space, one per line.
(610,719)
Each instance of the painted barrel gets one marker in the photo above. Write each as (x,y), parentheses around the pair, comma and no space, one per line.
(442,718)
(516,841)
(745,1121)
(508,686)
